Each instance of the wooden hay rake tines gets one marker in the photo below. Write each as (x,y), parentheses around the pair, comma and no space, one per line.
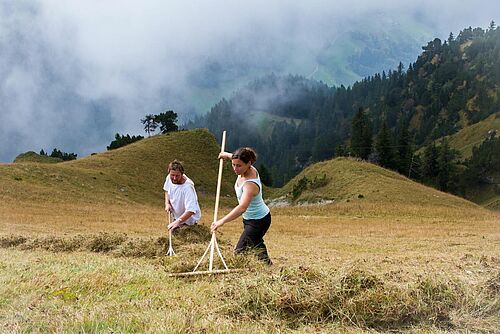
(170,251)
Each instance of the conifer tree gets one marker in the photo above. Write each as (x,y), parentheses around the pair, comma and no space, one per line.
(383,145)
(167,121)
(447,177)
(149,123)
(361,137)
(404,148)
(429,163)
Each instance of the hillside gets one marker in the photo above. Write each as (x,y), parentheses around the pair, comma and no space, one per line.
(352,180)
(473,135)
(131,174)
(35,157)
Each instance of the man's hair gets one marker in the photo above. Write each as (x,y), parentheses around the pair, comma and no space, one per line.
(245,154)
(176,165)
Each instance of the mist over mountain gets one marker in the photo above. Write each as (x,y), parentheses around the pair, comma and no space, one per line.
(73,73)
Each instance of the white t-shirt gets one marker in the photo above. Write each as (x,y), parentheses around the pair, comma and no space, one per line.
(183,198)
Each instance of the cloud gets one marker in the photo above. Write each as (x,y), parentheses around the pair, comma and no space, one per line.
(73,73)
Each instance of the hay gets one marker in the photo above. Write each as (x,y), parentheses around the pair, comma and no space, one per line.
(109,243)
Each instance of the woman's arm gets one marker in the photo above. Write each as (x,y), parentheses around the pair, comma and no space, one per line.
(225,155)
(250,189)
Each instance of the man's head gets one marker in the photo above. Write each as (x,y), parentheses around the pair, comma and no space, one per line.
(176,172)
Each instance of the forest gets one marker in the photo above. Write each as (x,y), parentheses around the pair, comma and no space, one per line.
(396,119)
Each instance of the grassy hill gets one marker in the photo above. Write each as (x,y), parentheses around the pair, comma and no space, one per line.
(134,173)
(473,135)
(344,180)
(484,194)
(31,156)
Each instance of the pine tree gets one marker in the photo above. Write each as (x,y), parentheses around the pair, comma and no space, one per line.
(265,176)
(430,165)
(447,177)
(404,148)
(150,124)
(383,145)
(167,121)
(361,137)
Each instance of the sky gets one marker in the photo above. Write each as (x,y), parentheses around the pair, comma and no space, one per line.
(74,73)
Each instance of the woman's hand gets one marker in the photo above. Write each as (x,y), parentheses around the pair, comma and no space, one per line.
(216,225)
(225,155)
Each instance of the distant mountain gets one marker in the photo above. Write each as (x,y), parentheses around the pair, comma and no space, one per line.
(452,85)
(343,54)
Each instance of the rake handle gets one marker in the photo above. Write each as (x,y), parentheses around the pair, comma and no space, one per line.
(219,177)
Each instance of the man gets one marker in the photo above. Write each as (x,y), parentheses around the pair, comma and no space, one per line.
(180,197)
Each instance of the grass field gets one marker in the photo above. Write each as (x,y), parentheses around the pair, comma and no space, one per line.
(375,263)
(435,271)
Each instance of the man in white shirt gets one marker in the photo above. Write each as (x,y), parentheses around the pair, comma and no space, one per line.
(180,197)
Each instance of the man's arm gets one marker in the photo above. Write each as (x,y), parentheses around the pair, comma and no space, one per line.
(168,207)
(179,221)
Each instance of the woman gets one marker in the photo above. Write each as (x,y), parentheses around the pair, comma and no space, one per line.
(256,214)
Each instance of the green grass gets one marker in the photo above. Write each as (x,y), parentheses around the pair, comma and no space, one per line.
(35,157)
(473,135)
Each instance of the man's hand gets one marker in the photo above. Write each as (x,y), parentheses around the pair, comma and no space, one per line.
(175,224)
(216,225)
(168,208)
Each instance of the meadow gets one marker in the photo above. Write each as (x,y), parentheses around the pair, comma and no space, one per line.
(83,250)
(346,267)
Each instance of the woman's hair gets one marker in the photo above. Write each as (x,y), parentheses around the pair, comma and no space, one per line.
(176,165)
(245,154)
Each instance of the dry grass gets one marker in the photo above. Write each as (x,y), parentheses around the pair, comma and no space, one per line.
(350,180)
(131,174)
(347,267)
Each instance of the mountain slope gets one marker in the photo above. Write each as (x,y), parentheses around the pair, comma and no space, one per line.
(473,135)
(353,180)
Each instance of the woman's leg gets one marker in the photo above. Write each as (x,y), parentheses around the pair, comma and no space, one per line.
(252,237)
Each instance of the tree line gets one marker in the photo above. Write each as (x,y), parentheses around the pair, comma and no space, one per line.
(56,153)
(385,118)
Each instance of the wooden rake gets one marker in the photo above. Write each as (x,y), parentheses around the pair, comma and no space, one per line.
(170,251)
(213,246)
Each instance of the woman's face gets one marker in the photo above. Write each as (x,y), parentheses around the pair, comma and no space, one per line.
(239,166)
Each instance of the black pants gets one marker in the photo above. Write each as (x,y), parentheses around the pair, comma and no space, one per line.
(252,237)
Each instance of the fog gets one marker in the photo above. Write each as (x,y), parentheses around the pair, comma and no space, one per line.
(74,73)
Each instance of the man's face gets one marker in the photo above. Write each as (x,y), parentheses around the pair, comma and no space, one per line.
(175,176)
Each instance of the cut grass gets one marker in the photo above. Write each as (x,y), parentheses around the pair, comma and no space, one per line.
(346,267)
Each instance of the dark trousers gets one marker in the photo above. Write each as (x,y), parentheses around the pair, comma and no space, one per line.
(252,237)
